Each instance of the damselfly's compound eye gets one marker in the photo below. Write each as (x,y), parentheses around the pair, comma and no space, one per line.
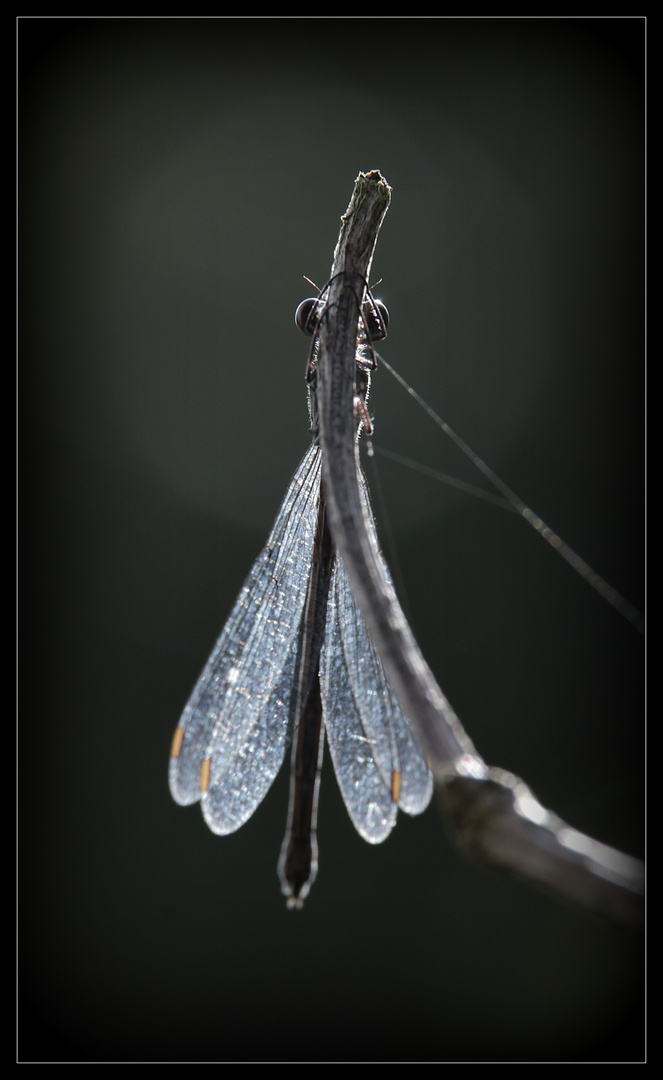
(376,318)
(307,314)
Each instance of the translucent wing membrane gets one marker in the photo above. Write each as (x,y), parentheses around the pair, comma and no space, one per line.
(369,738)
(240,711)
(240,715)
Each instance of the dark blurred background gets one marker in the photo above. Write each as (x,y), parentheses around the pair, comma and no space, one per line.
(176,180)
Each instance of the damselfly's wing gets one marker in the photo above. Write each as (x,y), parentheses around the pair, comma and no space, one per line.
(370,740)
(240,711)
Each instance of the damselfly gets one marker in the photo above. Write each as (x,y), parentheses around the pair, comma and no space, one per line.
(295,663)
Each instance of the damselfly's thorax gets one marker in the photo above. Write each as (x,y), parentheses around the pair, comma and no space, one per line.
(373,323)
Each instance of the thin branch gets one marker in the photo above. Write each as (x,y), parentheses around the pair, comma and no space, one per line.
(494,815)
(447,745)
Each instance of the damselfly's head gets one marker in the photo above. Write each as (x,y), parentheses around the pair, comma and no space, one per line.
(373,322)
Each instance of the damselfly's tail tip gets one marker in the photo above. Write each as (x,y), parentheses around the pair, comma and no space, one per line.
(294,903)
(295,894)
